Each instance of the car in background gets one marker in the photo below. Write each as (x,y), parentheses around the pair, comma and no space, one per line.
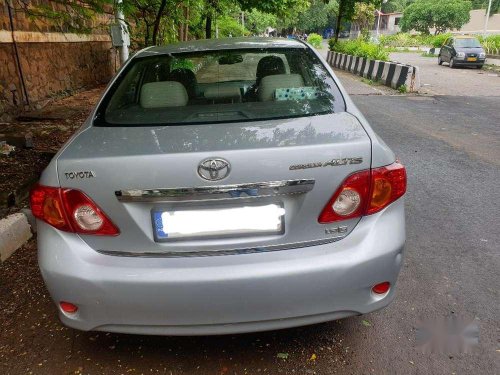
(344,34)
(221,186)
(462,51)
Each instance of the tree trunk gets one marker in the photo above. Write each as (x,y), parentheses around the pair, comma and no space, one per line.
(156,26)
(339,19)
(186,25)
(208,27)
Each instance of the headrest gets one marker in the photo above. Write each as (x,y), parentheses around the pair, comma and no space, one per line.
(163,94)
(186,77)
(268,66)
(269,84)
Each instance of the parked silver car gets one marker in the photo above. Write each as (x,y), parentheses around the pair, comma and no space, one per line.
(221,186)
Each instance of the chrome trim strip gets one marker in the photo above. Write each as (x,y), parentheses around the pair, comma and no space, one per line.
(253,250)
(251,190)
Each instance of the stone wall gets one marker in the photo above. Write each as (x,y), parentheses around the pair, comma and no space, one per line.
(48,63)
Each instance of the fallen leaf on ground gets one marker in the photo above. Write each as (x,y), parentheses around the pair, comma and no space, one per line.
(282,355)
(366,323)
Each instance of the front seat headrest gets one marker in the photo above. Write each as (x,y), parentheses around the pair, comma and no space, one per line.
(163,95)
(269,65)
(187,78)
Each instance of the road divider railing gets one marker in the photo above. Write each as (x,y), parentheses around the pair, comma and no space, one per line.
(389,73)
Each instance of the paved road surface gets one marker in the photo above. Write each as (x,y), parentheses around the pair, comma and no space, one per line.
(451,267)
(442,80)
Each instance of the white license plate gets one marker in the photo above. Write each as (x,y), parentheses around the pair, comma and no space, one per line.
(219,222)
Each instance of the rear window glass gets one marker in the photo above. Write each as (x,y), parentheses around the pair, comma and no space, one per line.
(220,86)
(467,43)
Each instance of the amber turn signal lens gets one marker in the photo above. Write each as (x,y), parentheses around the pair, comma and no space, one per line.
(381,194)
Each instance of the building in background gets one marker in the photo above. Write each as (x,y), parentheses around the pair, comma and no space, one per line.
(389,24)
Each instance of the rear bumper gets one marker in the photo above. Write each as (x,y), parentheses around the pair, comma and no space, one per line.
(224,294)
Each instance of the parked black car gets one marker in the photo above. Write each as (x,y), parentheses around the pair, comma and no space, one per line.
(462,51)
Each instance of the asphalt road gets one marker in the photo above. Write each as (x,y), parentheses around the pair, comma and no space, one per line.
(442,80)
(450,147)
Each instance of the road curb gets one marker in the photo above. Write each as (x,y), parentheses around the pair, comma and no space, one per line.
(14,232)
(390,73)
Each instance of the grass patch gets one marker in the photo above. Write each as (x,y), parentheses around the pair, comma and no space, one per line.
(403,89)
(371,82)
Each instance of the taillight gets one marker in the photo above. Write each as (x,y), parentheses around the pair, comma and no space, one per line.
(365,193)
(349,200)
(70,210)
(387,185)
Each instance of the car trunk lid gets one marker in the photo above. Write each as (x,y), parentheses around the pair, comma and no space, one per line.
(135,173)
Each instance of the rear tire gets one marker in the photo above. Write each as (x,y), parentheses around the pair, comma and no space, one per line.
(440,61)
(452,63)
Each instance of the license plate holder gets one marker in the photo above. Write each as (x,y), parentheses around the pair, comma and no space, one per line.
(195,223)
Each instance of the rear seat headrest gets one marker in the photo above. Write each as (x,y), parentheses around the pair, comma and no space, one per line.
(163,94)
(269,84)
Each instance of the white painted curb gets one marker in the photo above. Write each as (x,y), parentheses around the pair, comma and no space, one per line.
(14,232)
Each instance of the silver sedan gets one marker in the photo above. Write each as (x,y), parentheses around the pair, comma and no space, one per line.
(221,186)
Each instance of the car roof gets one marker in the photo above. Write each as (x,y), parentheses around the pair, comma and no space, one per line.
(221,44)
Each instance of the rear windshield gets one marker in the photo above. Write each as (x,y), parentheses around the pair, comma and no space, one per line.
(467,43)
(220,86)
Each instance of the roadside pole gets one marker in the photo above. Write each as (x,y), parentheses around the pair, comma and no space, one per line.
(487,17)
(120,20)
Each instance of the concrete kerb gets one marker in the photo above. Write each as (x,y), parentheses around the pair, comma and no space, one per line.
(15,230)
(389,73)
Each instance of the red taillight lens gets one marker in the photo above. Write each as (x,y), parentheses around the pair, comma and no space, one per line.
(365,193)
(355,188)
(70,210)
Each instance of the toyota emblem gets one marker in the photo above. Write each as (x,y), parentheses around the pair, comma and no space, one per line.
(214,169)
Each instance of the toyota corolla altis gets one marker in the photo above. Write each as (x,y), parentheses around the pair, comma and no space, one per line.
(221,186)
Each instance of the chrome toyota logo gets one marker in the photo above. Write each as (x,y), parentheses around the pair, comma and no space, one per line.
(214,169)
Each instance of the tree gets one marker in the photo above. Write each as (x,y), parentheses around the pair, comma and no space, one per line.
(392,6)
(483,4)
(257,21)
(315,17)
(345,12)
(364,16)
(442,15)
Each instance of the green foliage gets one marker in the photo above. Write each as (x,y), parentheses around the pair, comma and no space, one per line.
(317,16)
(441,15)
(403,89)
(438,40)
(361,48)
(183,64)
(315,40)
(392,6)
(229,26)
(364,15)
(257,22)
(490,43)
(483,4)
(279,8)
